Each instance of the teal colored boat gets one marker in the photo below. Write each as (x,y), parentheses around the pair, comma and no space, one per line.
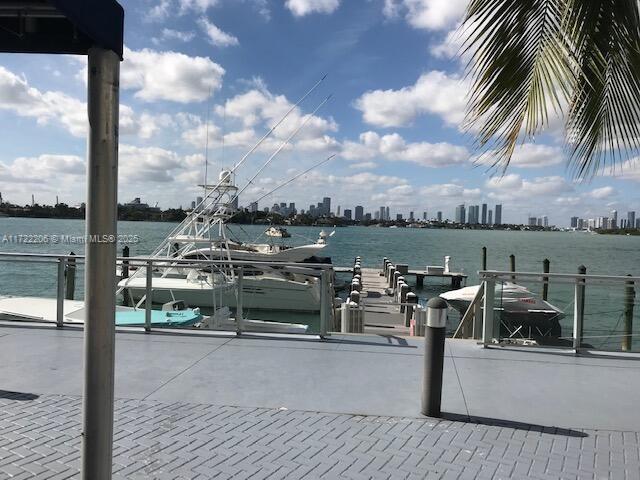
(159,318)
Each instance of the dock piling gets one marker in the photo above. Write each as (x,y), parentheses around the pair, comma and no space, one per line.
(629,299)
(404,291)
(409,309)
(484,258)
(545,280)
(512,261)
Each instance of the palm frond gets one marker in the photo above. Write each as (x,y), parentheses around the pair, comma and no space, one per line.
(519,68)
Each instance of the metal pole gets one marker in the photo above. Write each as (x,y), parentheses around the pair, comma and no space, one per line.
(148,297)
(239,306)
(578,309)
(70,279)
(487,313)
(323,304)
(434,337)
(60,294)
(545,285)
(630,295)
(100,300)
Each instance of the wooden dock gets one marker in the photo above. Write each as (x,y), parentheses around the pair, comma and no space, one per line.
(382,316)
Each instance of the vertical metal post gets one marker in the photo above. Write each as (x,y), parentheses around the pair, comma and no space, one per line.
(323,303)
(629,299)
(148,297)
(70,279)
(239,306)
(100,266)
(578,309)
(434,338)
(545,280)
(60,294)
(487,314)
(484,258)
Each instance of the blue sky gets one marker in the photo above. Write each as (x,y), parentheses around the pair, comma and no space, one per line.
(394,120)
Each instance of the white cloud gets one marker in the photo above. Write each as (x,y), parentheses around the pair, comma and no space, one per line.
(629,170)
(169,34)
(528,155)
(434,92)
(394,148)
(363,165)
(169,76)
(300,8)
(603,192)
(216,36)
(148,164)
(17,96)
(427,14)
(200,6)
(513,186)
(43,168)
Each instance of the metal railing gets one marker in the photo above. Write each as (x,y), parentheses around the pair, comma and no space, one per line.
(67,263)
(578,282)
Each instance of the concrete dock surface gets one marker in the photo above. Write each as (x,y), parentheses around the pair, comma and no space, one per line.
(216,406)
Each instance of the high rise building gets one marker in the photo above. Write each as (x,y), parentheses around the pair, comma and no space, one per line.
(424,215)
(347,213)
(411,216)
(253,207)
(532,221)
(574,222)
(638,223)
(484,214)
(545,221)
(461,214)
(439,216)
(381,214)
(359,213)
(398,217)
(367,217)
(631,219)
(338,211)
(377,215)
(498,219)
(490,222)
(614,219)
(387,216)
(326,203)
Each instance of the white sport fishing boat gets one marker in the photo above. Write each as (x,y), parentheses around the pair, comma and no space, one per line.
(203,236)
(518,309)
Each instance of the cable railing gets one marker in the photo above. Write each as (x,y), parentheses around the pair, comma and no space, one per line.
(67,265)
(584,312)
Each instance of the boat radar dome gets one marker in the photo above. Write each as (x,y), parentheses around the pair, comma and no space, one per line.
(225,176)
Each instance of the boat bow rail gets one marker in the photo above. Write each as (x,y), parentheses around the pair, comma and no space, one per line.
(322,272)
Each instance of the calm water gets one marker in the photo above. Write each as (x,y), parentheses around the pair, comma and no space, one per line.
(601,254)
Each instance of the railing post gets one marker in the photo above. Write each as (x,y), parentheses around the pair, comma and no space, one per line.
(239,306)
(70,279)
(323,303)
(487,323)
(148,298)
(512,262)
(629,299)
(578,309)
(60,294)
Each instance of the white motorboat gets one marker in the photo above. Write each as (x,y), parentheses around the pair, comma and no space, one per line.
(277,232)
(517,308)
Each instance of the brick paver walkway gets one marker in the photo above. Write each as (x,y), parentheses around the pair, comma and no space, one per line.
(40,438)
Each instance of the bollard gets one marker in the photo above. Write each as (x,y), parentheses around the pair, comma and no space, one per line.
(409,309)
(447,264)
(629,299)
(355,285)
(357,270)
(351,318)
(384,264)
(434,336)
(420,319)
(354,296)
(70,279)
(392,272)
(484,258)
(394,284)
(545,280)
(404,290)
